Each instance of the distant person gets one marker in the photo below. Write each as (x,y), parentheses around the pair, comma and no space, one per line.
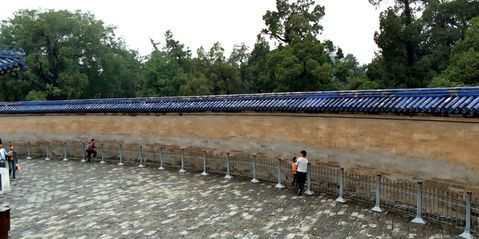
(12,161)
(90,149)
(294,169)
(3,156)
(302,170)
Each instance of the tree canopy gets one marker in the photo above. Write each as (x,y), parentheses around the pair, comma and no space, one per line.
(70,55)
(416,39)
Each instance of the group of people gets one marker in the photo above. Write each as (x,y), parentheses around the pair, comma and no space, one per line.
(299,168)
(9,159)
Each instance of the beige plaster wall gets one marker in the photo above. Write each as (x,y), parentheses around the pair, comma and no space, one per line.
(445,149)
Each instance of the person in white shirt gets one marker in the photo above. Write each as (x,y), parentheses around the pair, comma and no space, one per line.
(302,171)
(2,155)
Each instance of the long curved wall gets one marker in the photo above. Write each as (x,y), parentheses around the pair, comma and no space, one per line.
(430,148)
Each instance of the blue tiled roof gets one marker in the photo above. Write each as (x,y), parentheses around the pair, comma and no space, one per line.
(11,61)
(436,101)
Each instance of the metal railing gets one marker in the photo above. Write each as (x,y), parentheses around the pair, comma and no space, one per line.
(419,200)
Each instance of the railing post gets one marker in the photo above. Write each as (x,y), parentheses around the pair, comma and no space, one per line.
(418,218)
(228,176)
(121,155)
(29,157)
(204,173)
(377,206)
(65,151)
(102,154)
(141,157)
(340,198)
(83,149)
(308,190)
(467,230)
(182,169)
(279,185)
(48,153)
(253,164)
(161,160)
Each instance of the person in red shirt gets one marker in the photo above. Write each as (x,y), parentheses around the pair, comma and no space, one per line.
(90,149)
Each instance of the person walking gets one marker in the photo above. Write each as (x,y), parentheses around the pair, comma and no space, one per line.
(90,149)
(294,168)
(12,161)
(302,170)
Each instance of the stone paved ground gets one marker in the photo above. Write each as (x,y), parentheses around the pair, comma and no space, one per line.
(54,199)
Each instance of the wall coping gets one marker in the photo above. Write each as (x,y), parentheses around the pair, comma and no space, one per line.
(462,101)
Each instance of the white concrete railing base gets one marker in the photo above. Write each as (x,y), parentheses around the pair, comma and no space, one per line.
(466,235)
(280,186)
(377,209)
(5,180)
(309,192)
(340,200)
(418,220)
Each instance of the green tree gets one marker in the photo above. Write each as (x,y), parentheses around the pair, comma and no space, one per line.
(301,66)
(398,41)
(13,87)
(166,69)
(301,62)
(239,55)
(215,72)
(162,75)
(177,51)
(445,24)
(463,69)
(197,85)
(225,77)
(66,52)
(119,75)
(239,58)
(256,71)
(293,20)
(350,74)
(416,38)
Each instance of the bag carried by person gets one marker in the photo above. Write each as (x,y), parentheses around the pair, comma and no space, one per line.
(2,163)
(17,167)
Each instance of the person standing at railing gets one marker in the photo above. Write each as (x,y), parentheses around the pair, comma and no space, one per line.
(90,149)
(12,161)
(294,168)
(302,170)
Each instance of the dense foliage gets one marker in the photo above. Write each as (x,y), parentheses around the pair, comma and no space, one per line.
(419,40)
(422,43)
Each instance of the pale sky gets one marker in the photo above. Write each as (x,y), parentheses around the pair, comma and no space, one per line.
(350,24)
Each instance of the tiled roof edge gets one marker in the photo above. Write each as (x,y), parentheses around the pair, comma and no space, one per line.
(433,101)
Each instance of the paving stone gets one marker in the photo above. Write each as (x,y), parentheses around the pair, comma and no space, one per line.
(55,199)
